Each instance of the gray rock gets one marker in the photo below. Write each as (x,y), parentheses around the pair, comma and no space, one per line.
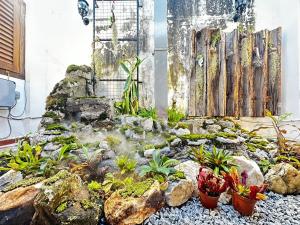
(260,154)
(129,133)
(147,124)
(89,109)
(109,155)
(214,128)
(165,151)
(148,153)
(226,124)
(10,177)
(210,121)
(175,142)
(51,147)
(227,140)
(131,120)
(197,143)
(229,131)
(180,131)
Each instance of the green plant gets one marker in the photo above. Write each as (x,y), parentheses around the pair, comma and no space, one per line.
(129,103)
(159,166)
(56,126)
(27,158)
(125,164)
(65,150)
(215,39)
(112,183)
(219,160)
(281,140)
(198,155)
(174,115)
(289,159)
(62,207)
(264,165)
(148,113)
(94,186)
(113,141)
(136,189)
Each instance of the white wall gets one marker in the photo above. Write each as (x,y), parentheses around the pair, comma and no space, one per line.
(271,14)
(55,38)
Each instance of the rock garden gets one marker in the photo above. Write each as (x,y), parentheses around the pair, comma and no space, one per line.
(94,161)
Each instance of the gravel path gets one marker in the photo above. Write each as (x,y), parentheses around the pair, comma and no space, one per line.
(276,210)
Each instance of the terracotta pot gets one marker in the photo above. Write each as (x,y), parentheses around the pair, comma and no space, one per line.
(244,206)
(207,201)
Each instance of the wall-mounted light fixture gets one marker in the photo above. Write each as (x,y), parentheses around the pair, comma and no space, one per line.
(83,10)
(240,8)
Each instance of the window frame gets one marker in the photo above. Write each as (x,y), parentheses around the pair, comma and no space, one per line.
(17,69)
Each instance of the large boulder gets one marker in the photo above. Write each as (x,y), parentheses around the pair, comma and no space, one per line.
(133,210)
(66,201)
(255,176)
(284,179)
(191,171)
(16,206)
(179,192)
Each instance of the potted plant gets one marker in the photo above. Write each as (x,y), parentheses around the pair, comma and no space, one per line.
(244,198)
(210,187)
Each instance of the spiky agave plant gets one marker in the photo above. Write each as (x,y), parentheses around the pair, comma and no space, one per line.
(129,103)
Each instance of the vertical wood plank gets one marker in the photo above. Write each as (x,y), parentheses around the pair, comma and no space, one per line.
(232,74)
(260,75)
(274,71)
(192,99)
(222,78)
(213,73)
(201,71)
(246,85)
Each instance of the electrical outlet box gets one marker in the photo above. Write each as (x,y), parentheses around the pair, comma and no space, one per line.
(7,93)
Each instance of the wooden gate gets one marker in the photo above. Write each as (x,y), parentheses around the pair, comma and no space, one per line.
(235,74)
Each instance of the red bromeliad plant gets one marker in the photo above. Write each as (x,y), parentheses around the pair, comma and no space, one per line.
(210,184)
(252,192)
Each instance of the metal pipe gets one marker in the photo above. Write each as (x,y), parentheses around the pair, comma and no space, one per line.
(160,57)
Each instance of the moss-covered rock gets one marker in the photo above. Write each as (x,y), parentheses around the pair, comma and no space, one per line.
(83,68)
(65,202)
(133,210)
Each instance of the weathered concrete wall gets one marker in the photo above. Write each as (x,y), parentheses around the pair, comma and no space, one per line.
(183,17)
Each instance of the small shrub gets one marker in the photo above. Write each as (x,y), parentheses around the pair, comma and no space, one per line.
(113,141)
(219,160)
(125,164)
(94,186)
(162,166)
(62,207)
(264,165)
(148,113)
(174,115)
(27,159)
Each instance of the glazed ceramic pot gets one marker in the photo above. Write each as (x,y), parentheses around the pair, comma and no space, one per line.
(244,206)
(207,201)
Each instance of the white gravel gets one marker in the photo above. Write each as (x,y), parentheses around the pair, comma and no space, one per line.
(276,210)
